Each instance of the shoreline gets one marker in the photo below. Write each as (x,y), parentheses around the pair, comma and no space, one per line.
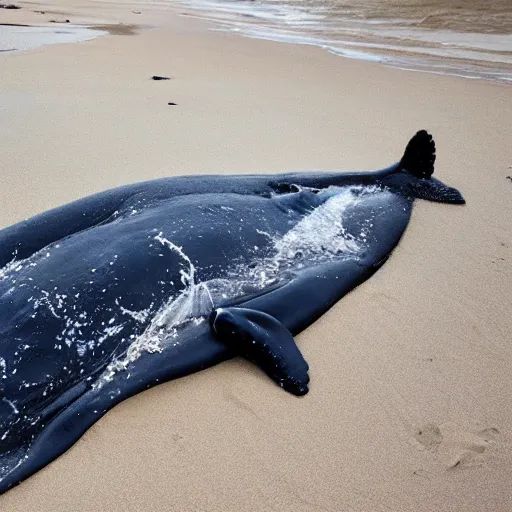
(402,59)
(409,405)
(439,52)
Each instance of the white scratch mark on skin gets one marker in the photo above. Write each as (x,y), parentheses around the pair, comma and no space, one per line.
(110,331)
(187,279)
(264,233)
(11,404)
(139,316)
(45,300)
(3,368)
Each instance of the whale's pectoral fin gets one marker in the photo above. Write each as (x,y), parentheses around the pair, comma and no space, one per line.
(265,341)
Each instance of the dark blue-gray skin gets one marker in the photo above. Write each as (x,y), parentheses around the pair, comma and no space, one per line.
(112,294)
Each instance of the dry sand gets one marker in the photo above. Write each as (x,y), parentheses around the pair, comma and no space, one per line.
(410,405)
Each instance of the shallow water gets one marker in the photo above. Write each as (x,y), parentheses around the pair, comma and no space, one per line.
(466,38)
(21,38)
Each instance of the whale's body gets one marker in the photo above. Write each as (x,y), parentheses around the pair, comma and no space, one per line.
(112,294)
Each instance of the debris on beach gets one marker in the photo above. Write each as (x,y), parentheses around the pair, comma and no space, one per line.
(156,77)
(171,103)
(9,6)
(57,21)
(136,12)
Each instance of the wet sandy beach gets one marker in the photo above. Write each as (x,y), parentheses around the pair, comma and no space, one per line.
(409,407)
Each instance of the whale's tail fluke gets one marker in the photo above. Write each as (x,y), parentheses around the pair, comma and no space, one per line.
(412,176)
(420,155)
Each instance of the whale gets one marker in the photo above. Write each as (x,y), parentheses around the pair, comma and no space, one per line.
(112,294)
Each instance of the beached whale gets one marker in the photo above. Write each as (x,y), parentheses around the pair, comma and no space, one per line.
(109,295)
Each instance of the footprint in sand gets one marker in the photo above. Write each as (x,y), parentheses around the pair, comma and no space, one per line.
(429,436)
(455,447)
